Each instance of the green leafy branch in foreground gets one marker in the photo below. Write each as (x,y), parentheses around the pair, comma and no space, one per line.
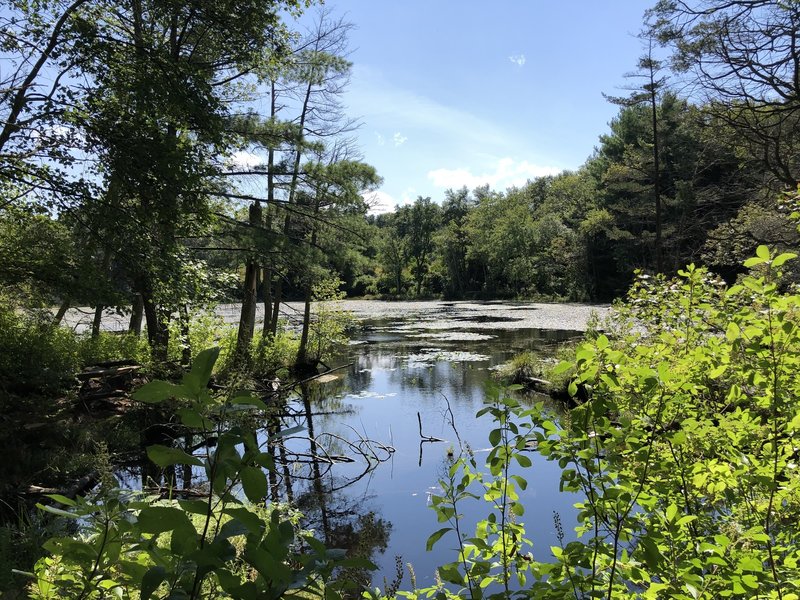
(685,455)
(133,546)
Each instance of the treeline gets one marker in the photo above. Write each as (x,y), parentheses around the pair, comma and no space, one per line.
(158,158)
(582,234)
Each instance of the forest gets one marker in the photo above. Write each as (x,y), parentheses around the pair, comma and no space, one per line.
(125,190)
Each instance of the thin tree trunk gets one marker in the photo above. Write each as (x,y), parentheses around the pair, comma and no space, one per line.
(267,291)
(247,317)
(186,344)
(302,352)
(62,310)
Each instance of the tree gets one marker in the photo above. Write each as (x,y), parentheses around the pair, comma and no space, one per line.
(744,60)
(452,240)
(158,152)
(416,225)
(649,93)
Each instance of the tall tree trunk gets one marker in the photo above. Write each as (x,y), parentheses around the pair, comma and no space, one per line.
(247,316)
(267,327)
(267,291)
(287,223)
(137,310)
(302,352)
(657,179)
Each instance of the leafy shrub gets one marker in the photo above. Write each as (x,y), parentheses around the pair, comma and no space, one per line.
(273,355)
(685,453)
(132,546)
(36,357)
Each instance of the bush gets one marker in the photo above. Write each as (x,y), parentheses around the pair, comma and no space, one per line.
(36,357)
(685,453)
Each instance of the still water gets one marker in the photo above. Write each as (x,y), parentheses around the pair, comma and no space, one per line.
(401,370)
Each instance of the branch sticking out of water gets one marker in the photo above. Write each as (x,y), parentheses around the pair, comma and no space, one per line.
(423,437)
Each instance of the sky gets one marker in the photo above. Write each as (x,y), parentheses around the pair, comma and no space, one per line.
(458,92)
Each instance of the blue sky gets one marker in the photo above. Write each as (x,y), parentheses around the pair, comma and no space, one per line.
(453,93)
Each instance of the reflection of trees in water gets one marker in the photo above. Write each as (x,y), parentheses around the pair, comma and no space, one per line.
(313,472)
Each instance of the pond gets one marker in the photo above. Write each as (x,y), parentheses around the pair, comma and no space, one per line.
(411,366)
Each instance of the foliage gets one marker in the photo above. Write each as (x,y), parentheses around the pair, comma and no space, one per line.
(133,546)
(684,453)
(331,322)
(272,355)
(37,356)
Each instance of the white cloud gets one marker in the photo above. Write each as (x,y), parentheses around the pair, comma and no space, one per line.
(379,202)
(517,59)
(399,139)
(245,160)
(507,173)
(380,138)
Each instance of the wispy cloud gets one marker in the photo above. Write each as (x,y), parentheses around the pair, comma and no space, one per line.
(380,138)
(517,59)
(399,139)
(507,172)
(378,101)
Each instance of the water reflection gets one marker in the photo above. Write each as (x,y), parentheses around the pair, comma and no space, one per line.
(400,375)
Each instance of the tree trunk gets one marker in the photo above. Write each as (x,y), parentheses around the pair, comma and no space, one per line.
(97,322)
(267,291)
(157,330)
(62,310)
(302,361)
(186,344)
(276,306)
(247,317)
(137,310)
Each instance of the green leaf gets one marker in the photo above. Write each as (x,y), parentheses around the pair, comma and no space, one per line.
(249,519)
(192,418)
(782,258)
(572,388)
(62,499)
(197,379)
(57,511)
(672,510)
(562,367)
(165,456)
(523,460)
(158,519)
(153,578)
(249,401)
(254,483)
(762,252)
(231,529)
(451,574)
(495,436)
(435,537)
(203,364)
(158,391)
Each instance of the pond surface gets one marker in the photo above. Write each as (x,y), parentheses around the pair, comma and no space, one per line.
(408,363)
